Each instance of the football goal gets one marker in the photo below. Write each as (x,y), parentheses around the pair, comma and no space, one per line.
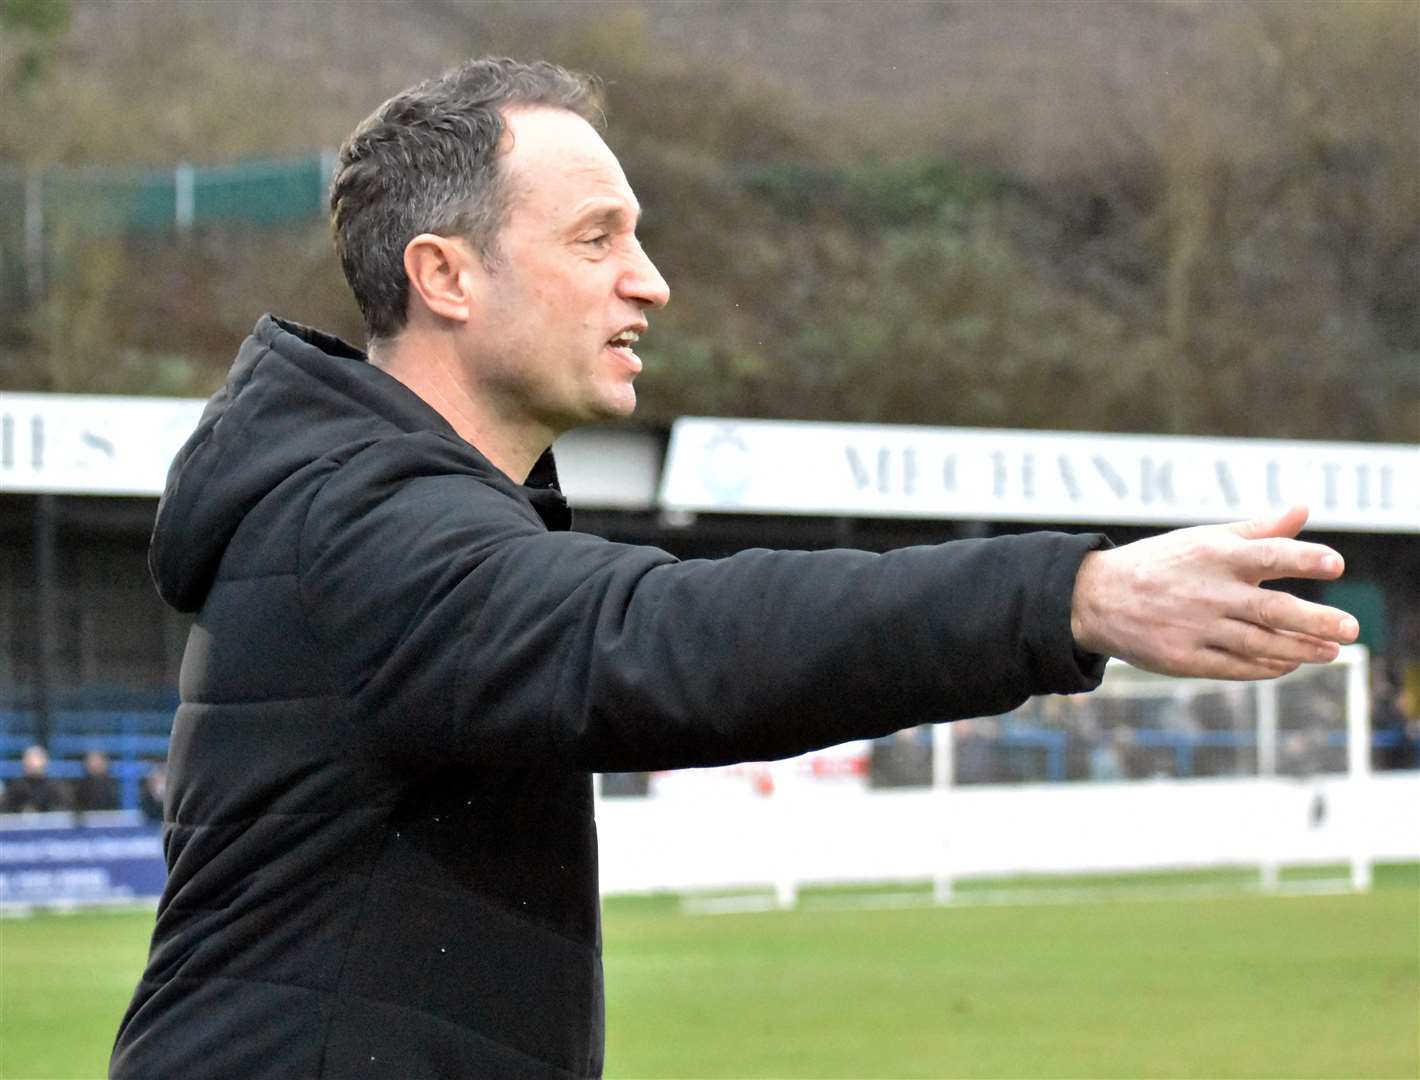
(1265,774)
(1266,783)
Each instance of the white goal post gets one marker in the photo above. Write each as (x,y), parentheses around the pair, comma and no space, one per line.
(1274,752)
(1144,774)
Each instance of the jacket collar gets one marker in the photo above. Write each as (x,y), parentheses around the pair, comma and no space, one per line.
(545,493)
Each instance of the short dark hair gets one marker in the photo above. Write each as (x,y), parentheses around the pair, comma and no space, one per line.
(427,161)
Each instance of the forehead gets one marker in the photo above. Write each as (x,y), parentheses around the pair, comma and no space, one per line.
(556,163)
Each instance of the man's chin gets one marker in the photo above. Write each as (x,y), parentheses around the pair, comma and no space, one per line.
(607,410)
(619,405)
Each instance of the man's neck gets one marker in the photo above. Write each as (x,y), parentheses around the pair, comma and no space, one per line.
(435,375)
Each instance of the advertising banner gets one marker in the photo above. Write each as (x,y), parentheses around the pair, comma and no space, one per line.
(89,444)
(55,860)
(84,444)
(868,470)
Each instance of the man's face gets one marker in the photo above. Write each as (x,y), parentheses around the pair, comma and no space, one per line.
(35,761)
(551,339)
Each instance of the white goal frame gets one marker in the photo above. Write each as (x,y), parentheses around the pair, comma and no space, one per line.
(1355,659)
(1274,823)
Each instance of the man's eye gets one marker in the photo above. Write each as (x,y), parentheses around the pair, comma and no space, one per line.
(599,240)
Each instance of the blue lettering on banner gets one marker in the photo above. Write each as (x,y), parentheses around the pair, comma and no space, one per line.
(81,864)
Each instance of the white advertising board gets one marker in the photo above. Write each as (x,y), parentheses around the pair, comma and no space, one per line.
(82,444)
(865,470)
(805,836)
(75,444)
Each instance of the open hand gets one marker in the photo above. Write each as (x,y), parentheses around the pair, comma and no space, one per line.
(1189,602)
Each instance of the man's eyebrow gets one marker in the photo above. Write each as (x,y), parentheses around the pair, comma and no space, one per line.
(606,214)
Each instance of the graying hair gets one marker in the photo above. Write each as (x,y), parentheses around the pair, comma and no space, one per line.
(427,161)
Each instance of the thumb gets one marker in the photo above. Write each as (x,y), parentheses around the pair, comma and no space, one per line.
(1288,523)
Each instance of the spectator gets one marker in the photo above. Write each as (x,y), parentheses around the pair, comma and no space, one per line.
(151,793)
(974,751)
(96,789)
(1393,749)
(1108,757)
(1409,699)
(34,792)
(903,759)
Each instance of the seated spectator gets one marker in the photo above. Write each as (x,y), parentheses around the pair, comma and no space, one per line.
(35,791)
(1109,756)
(96,789)
(1410,709)
(1392,718)
(903,759)
(974,751)
(150,794)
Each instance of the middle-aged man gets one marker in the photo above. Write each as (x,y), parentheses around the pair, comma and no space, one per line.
(405,666)
(96,789)
(34,790)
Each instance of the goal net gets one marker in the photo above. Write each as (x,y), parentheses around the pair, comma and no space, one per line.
(1220,773)
(1265,781)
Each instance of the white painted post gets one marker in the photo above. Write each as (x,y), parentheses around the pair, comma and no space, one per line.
(943,743)
(34,235)
(184,196)
(328,160)
(1358,758)
(1266,691)
(784,793)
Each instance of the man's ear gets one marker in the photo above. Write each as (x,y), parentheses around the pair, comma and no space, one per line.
(442,272)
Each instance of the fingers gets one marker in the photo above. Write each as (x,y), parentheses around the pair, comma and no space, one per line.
(1288,523)
(1268,633)
(1221,664)
(1190,602)
(1275,553)
(1273,558)
(1252,642)
(1271,610)
(1263,633)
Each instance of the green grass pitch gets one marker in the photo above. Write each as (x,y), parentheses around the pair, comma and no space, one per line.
(1146,986)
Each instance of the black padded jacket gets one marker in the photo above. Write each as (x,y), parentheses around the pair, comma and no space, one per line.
(403,670)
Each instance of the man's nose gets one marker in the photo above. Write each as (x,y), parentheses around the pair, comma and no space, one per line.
(643,283)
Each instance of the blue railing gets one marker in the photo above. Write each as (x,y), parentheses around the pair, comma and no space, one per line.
(133,738)
(1183,744)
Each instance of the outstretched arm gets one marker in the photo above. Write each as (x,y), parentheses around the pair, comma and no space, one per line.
(1190,603)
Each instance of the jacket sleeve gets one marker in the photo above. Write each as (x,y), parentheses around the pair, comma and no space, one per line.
(465,631)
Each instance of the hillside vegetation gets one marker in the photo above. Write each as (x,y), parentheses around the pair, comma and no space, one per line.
(1174,217)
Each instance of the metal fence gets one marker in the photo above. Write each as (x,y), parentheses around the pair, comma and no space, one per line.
(40,208)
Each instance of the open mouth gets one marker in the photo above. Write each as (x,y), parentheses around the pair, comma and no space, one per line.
(622,343)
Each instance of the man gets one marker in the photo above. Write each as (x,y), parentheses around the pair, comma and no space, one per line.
(96,789)
(405,666)
(34,791)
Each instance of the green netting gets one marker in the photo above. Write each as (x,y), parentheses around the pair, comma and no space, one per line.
(259,193)
(92,200)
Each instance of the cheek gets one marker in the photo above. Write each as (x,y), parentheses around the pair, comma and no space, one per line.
(562,307)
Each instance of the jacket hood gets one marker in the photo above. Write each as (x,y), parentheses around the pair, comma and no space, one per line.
(294,395)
